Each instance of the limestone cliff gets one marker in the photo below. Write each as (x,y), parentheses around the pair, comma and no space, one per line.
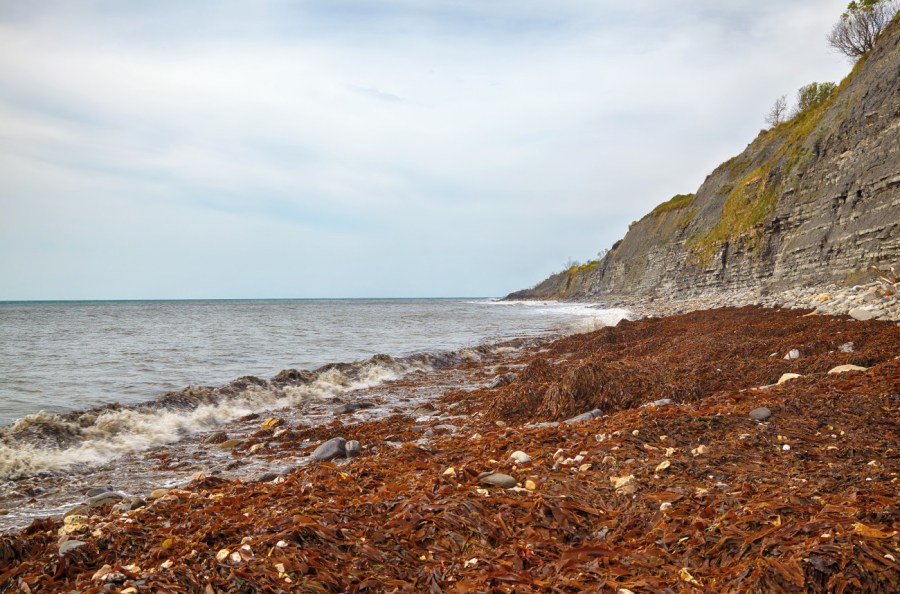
(814,200)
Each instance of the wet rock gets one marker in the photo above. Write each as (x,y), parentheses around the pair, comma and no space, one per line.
(104,499)
(4,511)
(69,546)
(271,423)
(498,479)
(445,427)
(352,449)
(592,414)
(79,510)
(520,457)
(863,314)
(215,438)
(132,503)
(352,407)
(760,414)
(425,409)
(230,444)
(331,449)
(267,477)
(845,368)
(93,491)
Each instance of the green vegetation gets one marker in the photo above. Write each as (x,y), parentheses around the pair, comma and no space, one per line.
(677,201)
(855,34)
(577,269)
(753,192)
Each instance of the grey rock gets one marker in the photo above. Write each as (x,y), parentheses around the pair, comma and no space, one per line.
(863,314)
(93,491)
(498,479)
(267,477)
(445,427)
(352,448)
(104,499)
(760,414)
(129,504)
(79,510)
(502,380)
(352,407)
(331,449)
(69,546)
(592,414)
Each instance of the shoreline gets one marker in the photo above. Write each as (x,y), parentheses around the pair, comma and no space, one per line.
(635,498)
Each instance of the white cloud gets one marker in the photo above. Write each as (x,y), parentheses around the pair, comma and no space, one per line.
(489,141)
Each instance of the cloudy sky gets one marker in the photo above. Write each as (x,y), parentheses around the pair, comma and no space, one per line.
(377,148)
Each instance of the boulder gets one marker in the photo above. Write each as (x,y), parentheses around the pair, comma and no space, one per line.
(331,449)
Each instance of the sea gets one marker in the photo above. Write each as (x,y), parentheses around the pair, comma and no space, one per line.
(78,380)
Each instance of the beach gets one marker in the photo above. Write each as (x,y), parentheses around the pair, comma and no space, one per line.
(663,453)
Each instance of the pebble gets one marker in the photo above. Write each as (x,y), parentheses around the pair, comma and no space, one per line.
(230,444)
(592,414)
(847,347)
(352,449)
(660,402)
(863,314)
(352,407)
(331,449)
(104,499)
(157,493)
(787,377)
(520,457)
(4,511)
(792,354)
(271,423)
(531,485)
(69,546)
(215,438)
(760,414)
(498,479)
(267,477)
(843,368)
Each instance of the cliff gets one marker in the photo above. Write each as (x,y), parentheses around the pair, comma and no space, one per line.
(812,201)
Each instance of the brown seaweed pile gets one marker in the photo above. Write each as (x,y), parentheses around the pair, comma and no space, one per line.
(692,495)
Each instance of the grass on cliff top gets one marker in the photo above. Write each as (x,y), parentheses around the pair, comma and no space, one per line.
(677,201)
(752,198)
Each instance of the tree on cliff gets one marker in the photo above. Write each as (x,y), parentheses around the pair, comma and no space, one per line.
(778,112)
(860,26)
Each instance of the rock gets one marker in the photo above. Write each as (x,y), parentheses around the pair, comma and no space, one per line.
(352,407)
(94,491)
(660,402)
(331,449)
(847,347)
(699,450)
(215,438)
(862,314)
(352,449)
(844,368)
(129,504)
(230,444)
(157,493)
(271,423)
(75,524)
(69,546)
(502,380)
(792,354)
(520,457)
(79,510)
(4,511)
(592,414)
(760,414)
(787,377)
(104,499)
(267,477)
(530,485)
(425,409)
(498,479)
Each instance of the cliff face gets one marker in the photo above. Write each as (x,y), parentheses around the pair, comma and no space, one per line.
(815,200)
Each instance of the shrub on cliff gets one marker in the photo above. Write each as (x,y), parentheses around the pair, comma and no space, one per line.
(860,26)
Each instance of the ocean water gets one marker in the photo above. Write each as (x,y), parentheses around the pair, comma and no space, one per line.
(60,361)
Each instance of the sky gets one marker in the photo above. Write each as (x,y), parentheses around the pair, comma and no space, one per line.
(384,148)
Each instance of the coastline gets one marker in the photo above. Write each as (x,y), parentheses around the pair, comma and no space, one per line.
(688,493)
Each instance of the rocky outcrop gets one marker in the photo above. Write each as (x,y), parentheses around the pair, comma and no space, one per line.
(813,201)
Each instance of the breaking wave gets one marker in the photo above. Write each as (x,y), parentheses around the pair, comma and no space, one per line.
(45,442)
